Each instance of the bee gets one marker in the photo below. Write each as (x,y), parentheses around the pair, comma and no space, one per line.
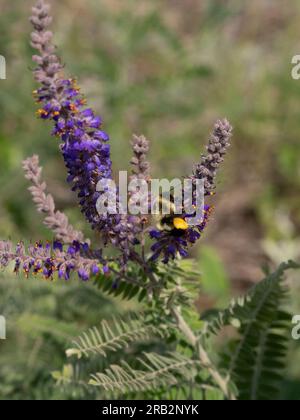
(167,219)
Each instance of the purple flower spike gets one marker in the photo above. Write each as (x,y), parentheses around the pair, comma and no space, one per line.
(84,143)
(49,260)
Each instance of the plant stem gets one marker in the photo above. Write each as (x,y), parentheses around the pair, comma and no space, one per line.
(186,330)
(202,354)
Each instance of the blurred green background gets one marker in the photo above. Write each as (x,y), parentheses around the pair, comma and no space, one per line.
(166,69)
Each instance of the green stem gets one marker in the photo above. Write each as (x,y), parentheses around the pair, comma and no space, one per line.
(186,330)
(202,354)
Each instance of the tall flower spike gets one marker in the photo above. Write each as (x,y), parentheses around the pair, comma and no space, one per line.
(170,244)
(54,220)
(216,148)
(84,148)
(48,62)
(85,145)
(140,172)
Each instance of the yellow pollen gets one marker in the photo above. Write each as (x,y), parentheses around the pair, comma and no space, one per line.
(73,108)
(41,112)
(180,223)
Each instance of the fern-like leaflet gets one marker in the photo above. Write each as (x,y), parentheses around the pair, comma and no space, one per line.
(159,371)
(255,361)
(113,336)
